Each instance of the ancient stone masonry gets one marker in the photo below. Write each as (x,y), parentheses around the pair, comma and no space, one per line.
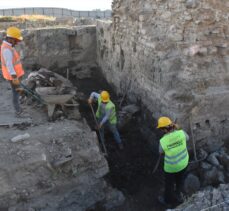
(58,47)
(174,54)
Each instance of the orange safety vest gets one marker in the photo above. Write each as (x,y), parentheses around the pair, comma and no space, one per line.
(16,63)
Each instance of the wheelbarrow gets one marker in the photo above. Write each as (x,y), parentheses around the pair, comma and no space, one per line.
(51,98)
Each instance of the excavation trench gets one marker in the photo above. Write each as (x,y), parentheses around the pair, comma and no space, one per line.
(130,169)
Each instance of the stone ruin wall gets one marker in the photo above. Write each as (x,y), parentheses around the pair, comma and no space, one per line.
(59,47)
(171,55)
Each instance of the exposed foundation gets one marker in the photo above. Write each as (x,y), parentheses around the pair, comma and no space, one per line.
(168,60)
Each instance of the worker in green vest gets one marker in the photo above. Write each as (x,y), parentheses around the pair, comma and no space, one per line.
(106,115)
(173,147)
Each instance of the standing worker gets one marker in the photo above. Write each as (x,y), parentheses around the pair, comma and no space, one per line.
(12,69)
(106,115)
(176,158)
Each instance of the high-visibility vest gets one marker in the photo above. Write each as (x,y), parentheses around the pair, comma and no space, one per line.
(175,149)
(16,62)
(109,106)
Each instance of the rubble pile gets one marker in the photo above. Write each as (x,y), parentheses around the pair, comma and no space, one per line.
(210,170)
(215,169)
(47,78)
(208,199)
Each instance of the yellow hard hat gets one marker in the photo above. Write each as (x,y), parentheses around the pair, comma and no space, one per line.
(14,32)
(164,122)
(105,96)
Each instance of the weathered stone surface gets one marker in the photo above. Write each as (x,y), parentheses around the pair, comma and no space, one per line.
(86,73)
(209,199)
(126,114)
(213,160)
(224,159)
(191,3)
(175,54)
(205,166)
(58,47)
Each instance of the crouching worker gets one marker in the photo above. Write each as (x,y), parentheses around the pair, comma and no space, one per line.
(176,158)
(106,115)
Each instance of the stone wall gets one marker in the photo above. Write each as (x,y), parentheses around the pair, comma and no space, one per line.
(171,55)
(55,48)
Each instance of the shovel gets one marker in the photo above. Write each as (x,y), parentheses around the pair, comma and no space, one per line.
(30,92)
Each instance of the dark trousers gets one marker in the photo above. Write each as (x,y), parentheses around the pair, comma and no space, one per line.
(113,129)
(15,98)
(173,185)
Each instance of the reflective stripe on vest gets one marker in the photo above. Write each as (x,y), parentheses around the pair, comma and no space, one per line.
(16,63)
(109,106)
(176,154)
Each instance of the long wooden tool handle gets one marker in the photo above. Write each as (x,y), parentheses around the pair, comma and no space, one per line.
(96,122)
(193,138)
(157,164)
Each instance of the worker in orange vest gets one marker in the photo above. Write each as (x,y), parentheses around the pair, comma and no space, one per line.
(12,69)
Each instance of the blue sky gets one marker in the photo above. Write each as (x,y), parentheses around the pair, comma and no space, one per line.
(69,4)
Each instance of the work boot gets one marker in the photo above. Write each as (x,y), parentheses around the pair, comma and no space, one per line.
(120,146)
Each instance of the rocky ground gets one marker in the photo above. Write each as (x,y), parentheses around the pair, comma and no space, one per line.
(210,199)
(56,166)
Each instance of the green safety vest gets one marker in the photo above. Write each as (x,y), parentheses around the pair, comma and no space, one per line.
(176,153)
(109,106)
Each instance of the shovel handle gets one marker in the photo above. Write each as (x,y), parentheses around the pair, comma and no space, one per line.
(157,164)
(97,125)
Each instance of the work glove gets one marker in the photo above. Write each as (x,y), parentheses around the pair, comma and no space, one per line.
(89,101)
(20,90)
(15,82)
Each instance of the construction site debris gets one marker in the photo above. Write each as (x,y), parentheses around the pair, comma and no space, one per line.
(53,90)
(212,159)
(8,119)
(20,137)
(47,78)
(209,199)
(214,169)
(62,161)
